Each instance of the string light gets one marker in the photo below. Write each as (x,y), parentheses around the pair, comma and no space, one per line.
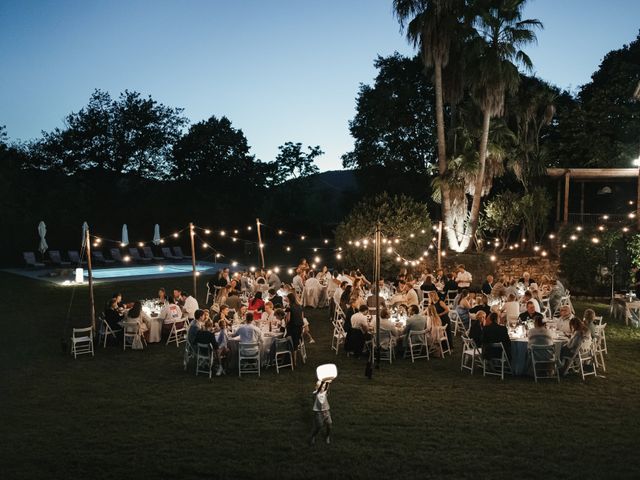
(276,269)
(236,231)
(290,271)
(140,244)
(207,232)
(443,253)
(252,269)
(234,264)
(411,235)
(218,255)
(205,245)
(632,215)
(579,228)
(127,258)
(544,253)
(524,240)
(122,244)
(573,237)
(175,235)
(338,256)
(389,250)
(601,228)
(249,228)
(317,259)
(536,248)
(262,245)
(625,229)
(98,240)
(605,217)
(493,258)
(280,232)
(222,233)
(288,249)
(302,237)
(595,240)
(552,236)
(326,241)
(162,240)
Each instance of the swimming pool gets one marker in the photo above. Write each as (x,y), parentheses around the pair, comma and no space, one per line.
(172,270)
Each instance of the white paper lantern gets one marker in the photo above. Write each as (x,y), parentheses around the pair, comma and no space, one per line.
(327,372)
(79,275)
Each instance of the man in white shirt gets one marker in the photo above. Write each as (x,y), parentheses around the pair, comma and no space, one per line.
(297,283)
(338,293)
(248,332)
(190,305)
(170,313)
(463,278)
(360,319)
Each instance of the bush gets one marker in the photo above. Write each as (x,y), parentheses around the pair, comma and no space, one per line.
(399,216)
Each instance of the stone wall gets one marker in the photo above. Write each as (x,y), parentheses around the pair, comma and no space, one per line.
(536,266)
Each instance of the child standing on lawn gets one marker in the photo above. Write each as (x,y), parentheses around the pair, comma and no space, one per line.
(322,414)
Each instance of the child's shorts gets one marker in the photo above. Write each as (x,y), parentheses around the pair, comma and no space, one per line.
(323,418)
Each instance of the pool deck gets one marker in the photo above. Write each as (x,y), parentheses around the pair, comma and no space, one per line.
(65,276)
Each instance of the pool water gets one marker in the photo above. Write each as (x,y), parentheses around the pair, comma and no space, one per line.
(149,271)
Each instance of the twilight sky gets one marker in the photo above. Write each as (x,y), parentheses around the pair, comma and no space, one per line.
(281,70)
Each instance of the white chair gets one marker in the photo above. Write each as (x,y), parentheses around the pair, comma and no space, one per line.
(105,331)
(456,323)
(339,335)
(283,350)
(583,357)
(178,332)
(82,341)
(204,358)
(248,358)
(188,355)
(387,346)
(131,336)
(544,356)
(450,297)
(497,366)
(441,341)
(417,346)
(302,348)
(470,352)
(600,346)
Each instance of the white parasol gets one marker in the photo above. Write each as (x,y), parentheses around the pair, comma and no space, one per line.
(125,235)
(156,235)
(85,227)
(42,231)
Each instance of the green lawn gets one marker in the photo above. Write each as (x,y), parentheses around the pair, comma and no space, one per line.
(138,414)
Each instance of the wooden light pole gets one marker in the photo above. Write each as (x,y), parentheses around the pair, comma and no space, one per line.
(92,305)
(192,234)
(260,244)
(439,244)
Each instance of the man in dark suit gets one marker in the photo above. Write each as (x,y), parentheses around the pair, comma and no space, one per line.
(487,285)
(275,298)
(494,333)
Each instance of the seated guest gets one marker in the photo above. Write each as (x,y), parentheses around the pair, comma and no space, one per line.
(206,335)
(579,334)
(526,280)
(137,315)
(190,304)
(196,324)
(387,324)
(360,319)
(530,313)
(487,285)
(359,331)
(162,296)
(555,295)
(274,281)
(511,309)
(475,330)
(463,278)
(248,332)
(112,314)
(275,298)
(463,307)
(223,314)
(451,284)
(528,297)
(589,320)
(480,306)
(256,304)
(415,323)
(494,333)
(268,317)
(428,285)
(119,302)
(539,334)
(170,314)
(177,297)
(371,302)
(233,300)
(345,298)
(564,322)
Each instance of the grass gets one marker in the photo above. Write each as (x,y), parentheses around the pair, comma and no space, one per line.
(138,414)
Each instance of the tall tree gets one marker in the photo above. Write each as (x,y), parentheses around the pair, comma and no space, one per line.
(433,25)
(291,162)
(502,33)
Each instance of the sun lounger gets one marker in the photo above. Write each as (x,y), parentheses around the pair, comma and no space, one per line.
(56,258)
(179,253)
(30,260)
(135,254)
(117,256)
(98,257)
(148,253)
(167,254)
(74,257)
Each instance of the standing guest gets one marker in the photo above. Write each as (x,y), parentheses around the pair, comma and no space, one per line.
(463,278)
(345,277)
(298,282)
(555,295)
(442,309)
(295,322)
(248,332)
(463,307)
(487,285)
(274,281)
(635,271)
(190,304)
(492,333)
(233,300)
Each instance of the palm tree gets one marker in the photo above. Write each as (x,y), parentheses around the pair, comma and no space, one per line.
(433,25)
(501,34)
